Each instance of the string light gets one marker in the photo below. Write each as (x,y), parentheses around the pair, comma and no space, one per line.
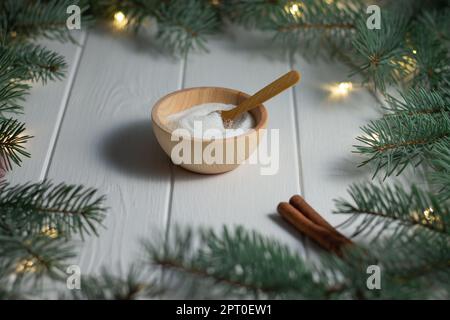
(120,20)
(428,217)
(215,2)
(294,9)
(27,265)
(338,90)
(343,88)
(408,63)
(428,213)
(50,232)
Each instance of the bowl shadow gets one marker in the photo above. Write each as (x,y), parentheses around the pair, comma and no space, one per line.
(133,150)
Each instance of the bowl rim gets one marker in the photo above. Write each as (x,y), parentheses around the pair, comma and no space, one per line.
(260,125)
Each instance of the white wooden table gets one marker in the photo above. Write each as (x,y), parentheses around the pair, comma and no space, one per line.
(94,128)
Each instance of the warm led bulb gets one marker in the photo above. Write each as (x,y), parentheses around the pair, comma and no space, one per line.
(50,232)
(294,9)
(26,266)
(344,87)
(428,213)
(338,90)
(120,20)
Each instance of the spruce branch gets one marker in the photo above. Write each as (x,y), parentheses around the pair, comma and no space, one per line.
(437,25)
(384,208)
(183,25)
(307,25)
(31,207)
(12,89)
(12,138)
(418,101)
(235,263)
(136,11)
(432,59)
(440,177)
(22,20)
(412,265)
(107,286)
(394,143)
(380,53)
(251,14)
(36,255)
(37,62)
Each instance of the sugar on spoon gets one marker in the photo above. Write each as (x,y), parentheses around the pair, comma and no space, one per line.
(271,90)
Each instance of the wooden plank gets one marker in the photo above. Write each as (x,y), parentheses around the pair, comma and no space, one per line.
(43,110)
(328,125)
(106,141)
(242,196)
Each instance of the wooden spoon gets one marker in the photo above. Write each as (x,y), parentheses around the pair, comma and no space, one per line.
(284,82)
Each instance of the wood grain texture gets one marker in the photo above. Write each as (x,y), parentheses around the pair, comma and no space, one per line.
(106,141)
(43,111)
(328,126)
(242,196)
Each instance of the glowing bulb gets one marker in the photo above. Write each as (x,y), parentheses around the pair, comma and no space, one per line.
(343,88)
(408,63)
(120,20)
(294,9)
(339,90)
(428,213)
(215,2)
(26,266)
(50,232)
(414,51)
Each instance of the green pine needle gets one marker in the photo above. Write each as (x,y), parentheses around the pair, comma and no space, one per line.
(12,140)
(383,207)
(67,208)
(38,63)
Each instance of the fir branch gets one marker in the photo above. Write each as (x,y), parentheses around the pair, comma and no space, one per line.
(440,162)
(237,263)
(432,60)
(12,90)
(413,265)
(12,138)
(24,20)
(35,255)
(396,142)
(183,25)
(309,24)
(418,101)
(382,207)
(251,14)
(136,11)
(437,24)
(37,62)
(67,208)
(107,286)
(381,52)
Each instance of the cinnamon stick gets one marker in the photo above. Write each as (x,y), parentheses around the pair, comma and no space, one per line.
(309,212)
(322,236)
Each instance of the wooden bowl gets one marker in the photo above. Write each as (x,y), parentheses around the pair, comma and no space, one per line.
(235,150)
